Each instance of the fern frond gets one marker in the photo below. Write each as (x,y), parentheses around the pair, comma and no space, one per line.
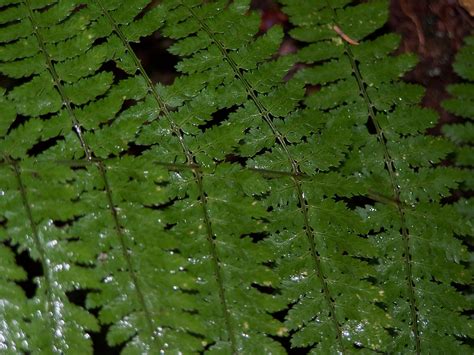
(221,67)
(53,101)
(336,108)
(407,230)
(35,191)
(461,103)
(266,204)
(14,302)
(214,89)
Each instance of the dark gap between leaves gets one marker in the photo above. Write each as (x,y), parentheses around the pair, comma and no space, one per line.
(78,297)
(100,345)
(237,159)
(385,29)
(269,290)
(17,122)
(134,150)
(111,66)
(158,63)
(44,145)
(33,269)
(217,118)
(355,201)
(256,237)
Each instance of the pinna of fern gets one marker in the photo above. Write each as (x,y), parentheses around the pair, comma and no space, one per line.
(414,234)
(460,104)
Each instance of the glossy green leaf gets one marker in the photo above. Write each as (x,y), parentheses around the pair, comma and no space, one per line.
(263,203)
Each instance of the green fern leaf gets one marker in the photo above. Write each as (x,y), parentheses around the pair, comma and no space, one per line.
(394,161)
(249,205)
(461,105)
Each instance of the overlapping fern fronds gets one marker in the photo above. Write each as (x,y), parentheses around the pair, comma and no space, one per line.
(243,207)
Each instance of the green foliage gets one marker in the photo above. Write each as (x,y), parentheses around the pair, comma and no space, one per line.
(264,206)
(392,164)
(461,104)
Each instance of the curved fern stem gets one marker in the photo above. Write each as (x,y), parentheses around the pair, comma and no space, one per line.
(310,234)
(57,81)
(191,162)
(89,156)
(390,167)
